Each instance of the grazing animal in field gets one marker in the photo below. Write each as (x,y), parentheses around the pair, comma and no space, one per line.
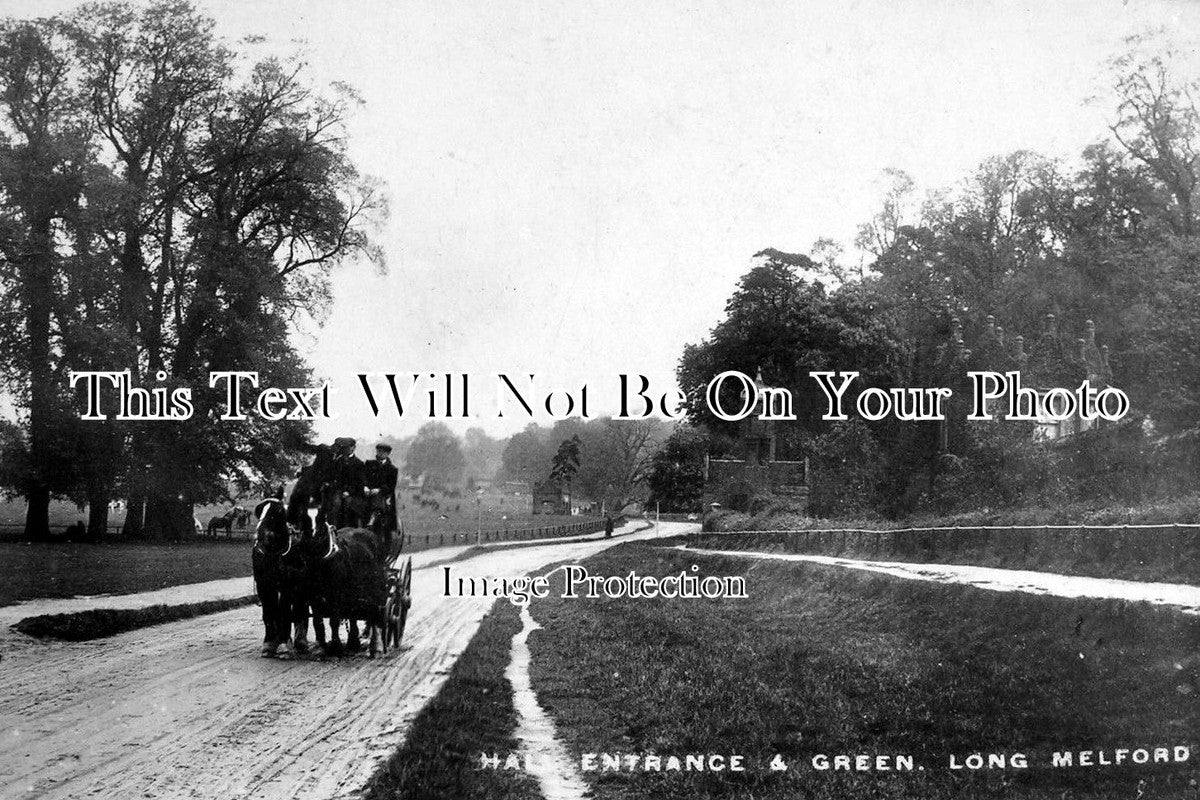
(279,572)
(224,522)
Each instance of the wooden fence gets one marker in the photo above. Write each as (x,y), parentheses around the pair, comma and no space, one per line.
(425,541)
(412,541)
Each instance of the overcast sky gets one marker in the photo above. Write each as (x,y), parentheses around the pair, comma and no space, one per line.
(576,186)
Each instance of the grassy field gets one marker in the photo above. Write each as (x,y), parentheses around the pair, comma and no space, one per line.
(65,569)
(63,514)
(459,513)
(423,513)
(115,566)
(472,714)
(825,661)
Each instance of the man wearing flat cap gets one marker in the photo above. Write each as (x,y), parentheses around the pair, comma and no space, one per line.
(346,475)
(379,488)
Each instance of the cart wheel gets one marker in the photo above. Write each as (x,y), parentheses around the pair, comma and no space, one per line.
(398,602)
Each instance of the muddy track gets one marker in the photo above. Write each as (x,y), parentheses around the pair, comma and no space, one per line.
(189,709)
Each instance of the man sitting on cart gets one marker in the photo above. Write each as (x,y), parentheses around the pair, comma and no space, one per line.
(346,482)
(379,489)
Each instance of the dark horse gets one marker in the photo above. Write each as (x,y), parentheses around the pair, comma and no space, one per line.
(347,580)
(279,572)
(224,522)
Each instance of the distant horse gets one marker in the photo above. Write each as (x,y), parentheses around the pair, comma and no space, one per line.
(241,516)
(223,522)
(279,577)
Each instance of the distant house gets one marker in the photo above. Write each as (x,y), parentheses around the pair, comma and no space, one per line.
(584,507)
(1053,362)
(1059,362)
(755,469)
(515,487)
(550,498)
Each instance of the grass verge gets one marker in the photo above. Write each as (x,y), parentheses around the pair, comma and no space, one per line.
(30,571)
(1166,554)
(98,623)
(825,661)
(472,714)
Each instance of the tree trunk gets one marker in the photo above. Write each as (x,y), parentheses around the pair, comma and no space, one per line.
(135,514)
(98,499)
(168,517)
(38,285)
(37,513)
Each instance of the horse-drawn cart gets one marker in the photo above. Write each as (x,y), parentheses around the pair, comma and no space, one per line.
(341,576)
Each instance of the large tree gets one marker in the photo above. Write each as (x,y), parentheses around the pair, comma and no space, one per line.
(616,459)
(1110,238)
(483,454)
(48,170)
(227,198)
(787,326)
(676,480)
(566,464)
(1157,121)
(527,455)
(436,454)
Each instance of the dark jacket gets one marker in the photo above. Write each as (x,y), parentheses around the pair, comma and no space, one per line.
(310,485)
(347,475)
(381,475)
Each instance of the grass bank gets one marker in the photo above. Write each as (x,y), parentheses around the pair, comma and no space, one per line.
(34,570)
(779,514)
(101,622)
(819,661)
(1165,553)
(1159,554)
(472,714)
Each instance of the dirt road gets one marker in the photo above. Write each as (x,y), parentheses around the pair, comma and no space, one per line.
(189,709)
